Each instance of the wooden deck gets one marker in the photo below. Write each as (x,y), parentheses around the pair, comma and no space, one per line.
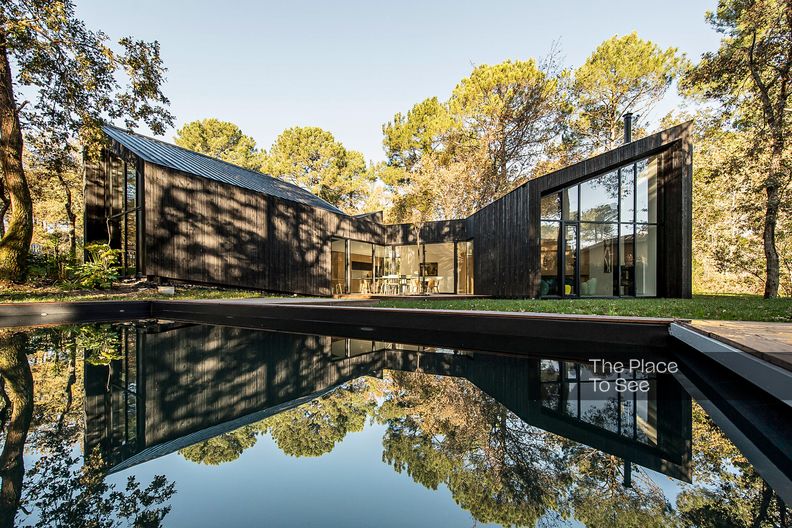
(771,342)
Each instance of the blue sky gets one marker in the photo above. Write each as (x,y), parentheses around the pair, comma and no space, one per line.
(349,66)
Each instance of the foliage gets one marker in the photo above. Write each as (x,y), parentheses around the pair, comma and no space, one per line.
(727,216)
(314,428)
(408,137)
(76,79)
(728,490)
(445,431)
(312,158)
(749,75)
(99,344)
(222,448)
(46,266)
(446,159)
(56,188)
(725,307)
(624,74)
(101,268)
(311,429)
(222,140)
(64,495)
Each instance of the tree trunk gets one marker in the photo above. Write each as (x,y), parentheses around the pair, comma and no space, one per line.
(15,371)
(15,244)
(5,204)
(68,206)
(771,218)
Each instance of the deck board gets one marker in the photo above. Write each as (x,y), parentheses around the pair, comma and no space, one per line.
(769,341)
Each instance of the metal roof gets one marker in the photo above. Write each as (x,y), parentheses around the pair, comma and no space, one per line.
(174,157)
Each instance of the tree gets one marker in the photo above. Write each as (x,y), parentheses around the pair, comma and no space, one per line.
(728,212)
(750,75)
(314,428)
(312,159)
(408,137)
(220,139)
(56,186)
(17,390)
(451,158)
(624,74)
(222,448)
(74,76)
(514,111)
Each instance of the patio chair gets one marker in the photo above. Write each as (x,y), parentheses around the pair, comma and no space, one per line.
(433,286)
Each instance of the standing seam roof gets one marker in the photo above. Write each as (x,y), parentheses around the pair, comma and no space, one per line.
(175,157)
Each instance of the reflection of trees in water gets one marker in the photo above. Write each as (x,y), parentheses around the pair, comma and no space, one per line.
(17,414)
(439,431)
(445,431)
(311,429)
(42,390)
(728,491)
(222,448)
(314,428)
(62,493)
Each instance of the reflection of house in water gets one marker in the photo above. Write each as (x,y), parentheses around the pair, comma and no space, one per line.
(180,384)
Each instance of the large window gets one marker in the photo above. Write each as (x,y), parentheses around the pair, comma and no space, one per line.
(362,267)
(598,238)
(124,210)
(465,267)
(338,266)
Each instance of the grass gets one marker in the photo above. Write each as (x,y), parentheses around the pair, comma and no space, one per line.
(723,307)
(27,293)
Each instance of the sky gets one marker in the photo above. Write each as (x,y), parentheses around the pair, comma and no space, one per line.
(349,66)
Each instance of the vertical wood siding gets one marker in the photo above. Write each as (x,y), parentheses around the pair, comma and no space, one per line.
(205,231)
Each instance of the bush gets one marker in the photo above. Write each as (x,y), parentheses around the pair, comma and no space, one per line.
(43,267)
(100,270)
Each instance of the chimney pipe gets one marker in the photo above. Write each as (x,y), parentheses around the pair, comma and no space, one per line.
(628,119)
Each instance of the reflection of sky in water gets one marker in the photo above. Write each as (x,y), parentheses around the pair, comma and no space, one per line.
(350,486)
(466,422)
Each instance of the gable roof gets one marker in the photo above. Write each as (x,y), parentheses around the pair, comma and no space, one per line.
(174,157)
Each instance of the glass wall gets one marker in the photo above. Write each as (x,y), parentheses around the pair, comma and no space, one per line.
(361,264)
(362,267)
(408,261)
(465,267)
(123,218)
(338,267)
(599,237)
(437,269)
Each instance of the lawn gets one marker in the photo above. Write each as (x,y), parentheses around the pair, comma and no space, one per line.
(724,307)
(25,293)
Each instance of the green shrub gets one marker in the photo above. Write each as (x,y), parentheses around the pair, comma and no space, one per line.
(43,267)
(99,270)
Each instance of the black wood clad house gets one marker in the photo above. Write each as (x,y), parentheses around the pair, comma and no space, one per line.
(617,224)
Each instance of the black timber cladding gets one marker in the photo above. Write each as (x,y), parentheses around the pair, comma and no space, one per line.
(174,157)
(209,228)
(506,232)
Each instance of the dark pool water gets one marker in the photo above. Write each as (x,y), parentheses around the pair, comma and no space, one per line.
(155,423)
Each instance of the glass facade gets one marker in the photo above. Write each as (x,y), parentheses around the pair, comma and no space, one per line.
(366,268)
(599,237)
(124,210)
(338,267)
(465,267)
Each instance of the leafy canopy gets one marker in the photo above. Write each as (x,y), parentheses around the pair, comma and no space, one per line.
(624,74)
(220,139)
(76,78)
(313,159)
